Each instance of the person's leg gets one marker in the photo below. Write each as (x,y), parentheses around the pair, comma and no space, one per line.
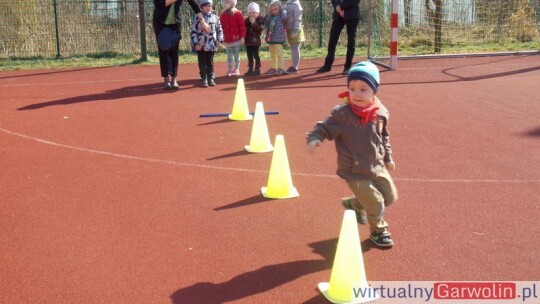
(295,55)
(273,59)
(279,57)
(210,68)
(162,55)
(230,63)
(201,58)
(372,201)
(173,61)
(352,26)
(163,63)
(335,31)
(352,203)
(250,51)
(237,60)
(202,64)
(386,186)
(257,70)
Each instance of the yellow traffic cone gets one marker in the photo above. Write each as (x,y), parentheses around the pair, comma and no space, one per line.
(260,139)
(240,109)
(348,283)
(279,179)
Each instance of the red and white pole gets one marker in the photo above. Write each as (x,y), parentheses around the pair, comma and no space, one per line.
(394,22)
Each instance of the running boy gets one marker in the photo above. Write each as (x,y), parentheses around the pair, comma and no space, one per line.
(359,128)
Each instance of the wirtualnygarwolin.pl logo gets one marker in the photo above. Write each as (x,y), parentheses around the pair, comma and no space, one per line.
(462,292)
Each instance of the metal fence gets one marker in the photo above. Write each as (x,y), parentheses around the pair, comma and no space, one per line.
(53,28)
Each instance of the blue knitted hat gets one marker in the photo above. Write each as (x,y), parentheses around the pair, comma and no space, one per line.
(367,72)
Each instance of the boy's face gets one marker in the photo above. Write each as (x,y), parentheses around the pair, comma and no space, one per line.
(253,14)
(360,93)
(275,10)
(207,8)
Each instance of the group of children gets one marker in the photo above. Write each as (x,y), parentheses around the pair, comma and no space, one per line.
(358,126)
(230,29)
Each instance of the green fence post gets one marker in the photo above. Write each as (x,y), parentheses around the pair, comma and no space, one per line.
(56,29)
(320,22)
(142,26)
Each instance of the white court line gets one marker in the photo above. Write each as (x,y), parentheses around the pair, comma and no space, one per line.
(175,163)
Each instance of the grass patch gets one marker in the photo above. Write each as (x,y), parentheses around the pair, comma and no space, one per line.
(115,59)
(107,59)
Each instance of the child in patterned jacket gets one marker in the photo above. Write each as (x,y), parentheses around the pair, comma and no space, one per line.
(276,36)
(206,43)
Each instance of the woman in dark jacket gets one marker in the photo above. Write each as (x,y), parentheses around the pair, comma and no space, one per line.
(167,22)
(346,13)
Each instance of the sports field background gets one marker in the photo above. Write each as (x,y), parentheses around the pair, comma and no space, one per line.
(115,191)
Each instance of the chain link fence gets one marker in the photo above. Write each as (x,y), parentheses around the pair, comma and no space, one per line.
(64,28)
(459,26)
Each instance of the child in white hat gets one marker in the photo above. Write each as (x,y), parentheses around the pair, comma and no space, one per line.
(254,28)
(359,129)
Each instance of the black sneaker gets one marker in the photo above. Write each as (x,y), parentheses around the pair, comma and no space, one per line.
(323,69)
(211,82)
(292,70)
(347,204)
(382,239)
(204,83)
(345,71)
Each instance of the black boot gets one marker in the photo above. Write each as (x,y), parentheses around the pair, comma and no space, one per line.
(250,71)
(204,81)
(257,70)
(211,81)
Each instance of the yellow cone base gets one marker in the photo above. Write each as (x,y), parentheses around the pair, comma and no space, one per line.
(237,117)
(259,150)
(324,287)
(290,194)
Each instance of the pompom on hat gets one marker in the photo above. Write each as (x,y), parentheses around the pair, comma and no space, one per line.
(232,3)
(274,2)
(367,72)
(205,2)
(253,8)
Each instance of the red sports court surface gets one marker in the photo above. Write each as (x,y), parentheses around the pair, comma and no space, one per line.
(115,191)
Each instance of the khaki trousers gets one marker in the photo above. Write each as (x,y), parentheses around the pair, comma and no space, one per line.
(374,196)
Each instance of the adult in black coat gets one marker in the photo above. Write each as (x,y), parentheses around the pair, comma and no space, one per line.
(167,22)
(346,13)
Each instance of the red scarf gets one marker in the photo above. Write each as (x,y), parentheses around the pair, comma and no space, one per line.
(367,113)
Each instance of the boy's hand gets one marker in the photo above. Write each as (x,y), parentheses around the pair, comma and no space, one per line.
(313,144)
(198,47)
(390,165)
(205,26)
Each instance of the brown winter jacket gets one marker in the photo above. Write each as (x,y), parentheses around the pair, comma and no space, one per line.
(362,150)
(254,31)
